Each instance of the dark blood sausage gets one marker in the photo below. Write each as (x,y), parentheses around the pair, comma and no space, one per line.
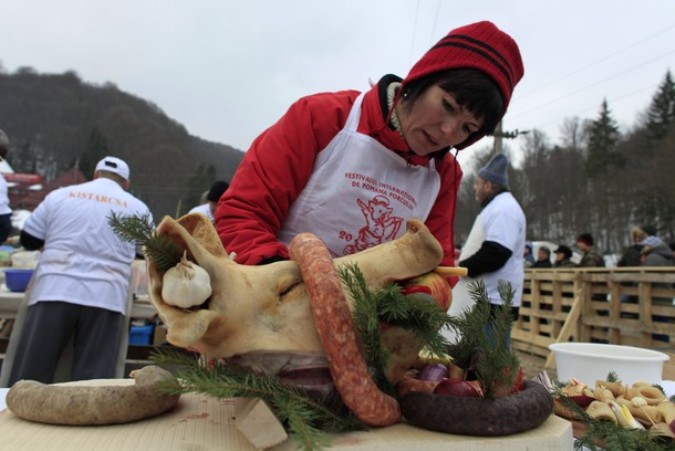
(515,413)
(334,325)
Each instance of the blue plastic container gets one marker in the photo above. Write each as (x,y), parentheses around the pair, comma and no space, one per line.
(140,335)
(17,279)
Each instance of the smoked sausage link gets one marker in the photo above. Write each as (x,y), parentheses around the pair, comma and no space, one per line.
(90,405)
(335,327)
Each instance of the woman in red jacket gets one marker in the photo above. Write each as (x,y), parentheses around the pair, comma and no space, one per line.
(351,167)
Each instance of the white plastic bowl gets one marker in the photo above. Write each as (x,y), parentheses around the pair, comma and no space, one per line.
(589,362)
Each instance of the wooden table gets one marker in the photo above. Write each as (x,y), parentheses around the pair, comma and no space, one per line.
(203,423)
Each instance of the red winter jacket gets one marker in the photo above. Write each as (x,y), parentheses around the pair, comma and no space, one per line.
(279,163)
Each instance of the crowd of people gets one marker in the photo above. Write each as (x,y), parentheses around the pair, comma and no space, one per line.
(646,249)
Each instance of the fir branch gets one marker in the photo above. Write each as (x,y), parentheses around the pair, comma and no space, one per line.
(470,326)
(611,435)
(613,377)
(482,346)
(134,229)
(367,324)
(417,313)
(305,418)
(139,230)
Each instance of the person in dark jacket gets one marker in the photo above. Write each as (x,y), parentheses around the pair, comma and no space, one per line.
(632,254)
(655,252)
(528,257)
(543,258)
(590,258)
(563,256)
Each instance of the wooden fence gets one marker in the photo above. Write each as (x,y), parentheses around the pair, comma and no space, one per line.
(627,306)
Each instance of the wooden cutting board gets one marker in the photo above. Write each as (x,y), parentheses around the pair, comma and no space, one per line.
(200,423)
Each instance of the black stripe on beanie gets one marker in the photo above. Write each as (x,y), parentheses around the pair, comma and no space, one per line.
(480,43)
(503,66)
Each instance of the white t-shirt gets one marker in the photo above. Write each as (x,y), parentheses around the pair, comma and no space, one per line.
(204,209)
(502,221)
(4,199)
(83,261)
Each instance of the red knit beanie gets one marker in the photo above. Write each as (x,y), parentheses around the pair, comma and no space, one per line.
(585,238)
(480,46)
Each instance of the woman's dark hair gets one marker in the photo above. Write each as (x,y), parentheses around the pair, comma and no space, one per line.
(472,89)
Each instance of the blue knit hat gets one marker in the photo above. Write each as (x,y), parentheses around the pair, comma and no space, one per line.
(495,170)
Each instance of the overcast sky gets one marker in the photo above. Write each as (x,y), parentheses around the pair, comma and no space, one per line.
(228,69)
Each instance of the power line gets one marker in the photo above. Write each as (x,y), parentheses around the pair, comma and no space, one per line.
(612,101)
(569,94)
(433,28)
(412,41)
(611,55)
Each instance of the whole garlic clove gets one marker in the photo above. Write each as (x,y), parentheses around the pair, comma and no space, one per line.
(186,284)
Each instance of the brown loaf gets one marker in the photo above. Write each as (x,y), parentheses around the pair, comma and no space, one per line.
(334,325)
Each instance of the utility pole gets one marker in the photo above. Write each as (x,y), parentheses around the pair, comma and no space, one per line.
(499,134)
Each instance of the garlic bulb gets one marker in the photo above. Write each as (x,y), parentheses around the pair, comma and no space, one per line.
(186,284)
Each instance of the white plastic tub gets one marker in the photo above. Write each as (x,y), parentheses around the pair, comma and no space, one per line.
(589,362)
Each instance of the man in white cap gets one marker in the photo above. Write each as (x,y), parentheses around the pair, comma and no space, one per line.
(494,249)
(80,285)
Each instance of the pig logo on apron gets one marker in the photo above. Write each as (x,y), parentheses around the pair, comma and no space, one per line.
(380,225)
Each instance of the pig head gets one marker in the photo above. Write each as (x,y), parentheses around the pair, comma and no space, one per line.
(265,310)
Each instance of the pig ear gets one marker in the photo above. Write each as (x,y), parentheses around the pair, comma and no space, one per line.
(196,235)
(203,231)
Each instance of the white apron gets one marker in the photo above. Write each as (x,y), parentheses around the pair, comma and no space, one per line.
(360,193)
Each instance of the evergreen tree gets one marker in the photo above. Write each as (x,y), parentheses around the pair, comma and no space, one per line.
(97,148)
(604,136)
(602,162)
(653,196)
(661,112)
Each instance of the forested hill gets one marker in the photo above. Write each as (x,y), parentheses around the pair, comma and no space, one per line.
(598,178)
(56,122)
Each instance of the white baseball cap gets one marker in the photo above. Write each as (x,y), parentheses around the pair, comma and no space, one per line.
(114,165)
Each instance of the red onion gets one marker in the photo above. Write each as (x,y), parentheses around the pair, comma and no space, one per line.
(433,372)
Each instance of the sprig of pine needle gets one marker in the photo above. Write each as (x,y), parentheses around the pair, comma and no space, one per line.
(306,419)
(612,377)
(367,324)
(417,314)
(482,349)
(139,230)
(611,435)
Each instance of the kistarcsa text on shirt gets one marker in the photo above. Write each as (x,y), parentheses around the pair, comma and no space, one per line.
(97,198)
